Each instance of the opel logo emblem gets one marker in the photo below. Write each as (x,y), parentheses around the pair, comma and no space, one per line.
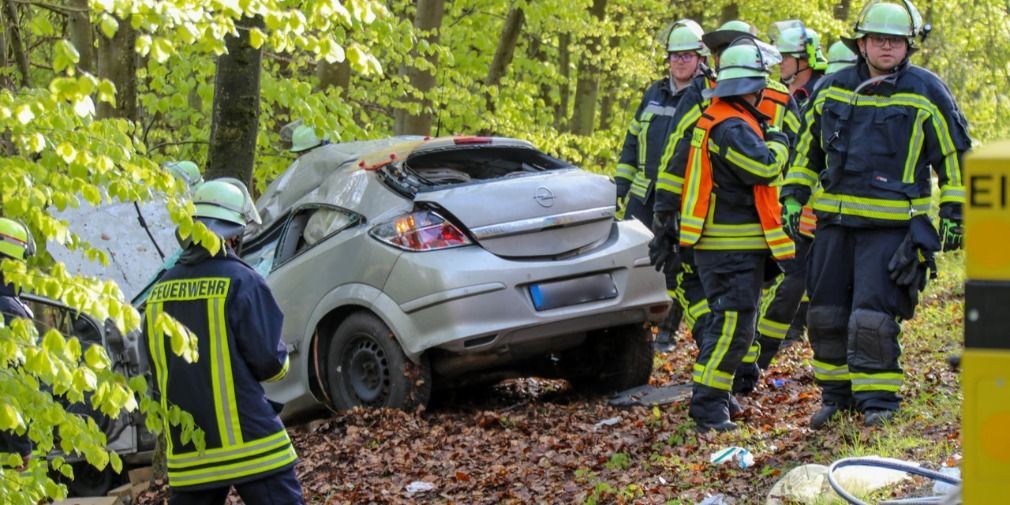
(544,197)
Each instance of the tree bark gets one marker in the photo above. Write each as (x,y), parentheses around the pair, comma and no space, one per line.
(587,87)
(609,83)
(20,55)
(729,12)
(333,75)
(117,62)
(841,10)
(236,109)
(506,46)
(427,22)
(81,34)
(564,87)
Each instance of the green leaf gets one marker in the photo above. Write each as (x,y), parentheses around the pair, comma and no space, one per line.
(96,358)
(109,26)
(256,38)
(10,418)
(53,342)
(85,380)
(65,56)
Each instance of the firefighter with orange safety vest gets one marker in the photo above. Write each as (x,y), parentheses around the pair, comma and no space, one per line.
(730,217)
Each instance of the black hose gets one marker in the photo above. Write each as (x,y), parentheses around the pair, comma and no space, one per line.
(890,465)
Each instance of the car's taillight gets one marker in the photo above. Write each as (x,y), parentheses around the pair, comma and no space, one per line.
(420,231)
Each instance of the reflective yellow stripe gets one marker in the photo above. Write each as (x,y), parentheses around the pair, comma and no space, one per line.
(634,128)
(898,99)
(643,139)
(755,167)
(228,386)
(952,194)
(802,176)
(255,466)
(914,147)
(876,208)
(625,171)
(225,454)
(828,372)
(671,183)
(731,230)
(752,353)
(732,243)
(284,371)
(690,226)
(884,381)
(772,329)
(792,122)
(712,377)
(156,344)
(687,121)
(640,185)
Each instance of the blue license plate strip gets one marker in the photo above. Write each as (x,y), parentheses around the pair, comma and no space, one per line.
(576,291)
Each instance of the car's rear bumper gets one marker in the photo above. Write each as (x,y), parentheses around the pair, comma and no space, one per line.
(468,300)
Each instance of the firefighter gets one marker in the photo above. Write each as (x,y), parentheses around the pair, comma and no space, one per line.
(839,57)
(187,172)
(305,139)
(872,133)
(648,145)
(689,293)
(802,67)
(17,244)
(730,217)
(783,113)
(237,324)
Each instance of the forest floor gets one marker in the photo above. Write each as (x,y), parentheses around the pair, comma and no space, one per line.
(538,441)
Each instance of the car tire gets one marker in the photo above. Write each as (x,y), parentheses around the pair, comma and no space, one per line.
(366,367)
(613,359)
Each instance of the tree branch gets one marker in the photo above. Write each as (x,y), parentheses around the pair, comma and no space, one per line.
(19,44)
(180,143)
(59,9)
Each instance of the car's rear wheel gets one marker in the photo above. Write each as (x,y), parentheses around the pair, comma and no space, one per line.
(367,367)
(613,359)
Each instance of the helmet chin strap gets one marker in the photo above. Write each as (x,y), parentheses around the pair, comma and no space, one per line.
(792,77)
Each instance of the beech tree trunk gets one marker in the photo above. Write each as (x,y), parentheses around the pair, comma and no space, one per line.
(506,46)
(81,34)
(236,111)
(427,21)
(17,42)
(117,62)
(587,88)
(333,75)
(564,87)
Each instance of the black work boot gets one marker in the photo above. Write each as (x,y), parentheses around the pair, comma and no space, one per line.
(735,410)
(827,412)
(745,379)
(877,418)
(710,409)
(666,338)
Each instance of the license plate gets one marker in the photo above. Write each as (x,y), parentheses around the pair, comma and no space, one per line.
(556,294)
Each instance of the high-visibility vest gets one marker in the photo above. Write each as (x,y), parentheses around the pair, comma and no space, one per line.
(774,104)
(765,197)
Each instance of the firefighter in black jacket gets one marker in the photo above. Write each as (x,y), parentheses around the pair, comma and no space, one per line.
(872,134)
(730,217)
(237,323)
(16,243)
(654,130)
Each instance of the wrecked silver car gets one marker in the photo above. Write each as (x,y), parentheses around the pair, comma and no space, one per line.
(407,263)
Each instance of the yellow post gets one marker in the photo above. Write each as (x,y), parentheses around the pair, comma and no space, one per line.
(986,363)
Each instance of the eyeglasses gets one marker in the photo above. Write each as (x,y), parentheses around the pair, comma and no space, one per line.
(682,56)
(889,40)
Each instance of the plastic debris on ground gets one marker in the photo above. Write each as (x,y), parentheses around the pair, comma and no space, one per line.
(809,483)
(741,456)
(647,396)
(419,486)
(717,499)
(607,422)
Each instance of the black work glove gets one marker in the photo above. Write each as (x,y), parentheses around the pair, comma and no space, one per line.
(913,262)
(664,246)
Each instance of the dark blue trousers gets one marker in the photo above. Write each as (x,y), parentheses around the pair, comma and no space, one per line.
(278,489)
